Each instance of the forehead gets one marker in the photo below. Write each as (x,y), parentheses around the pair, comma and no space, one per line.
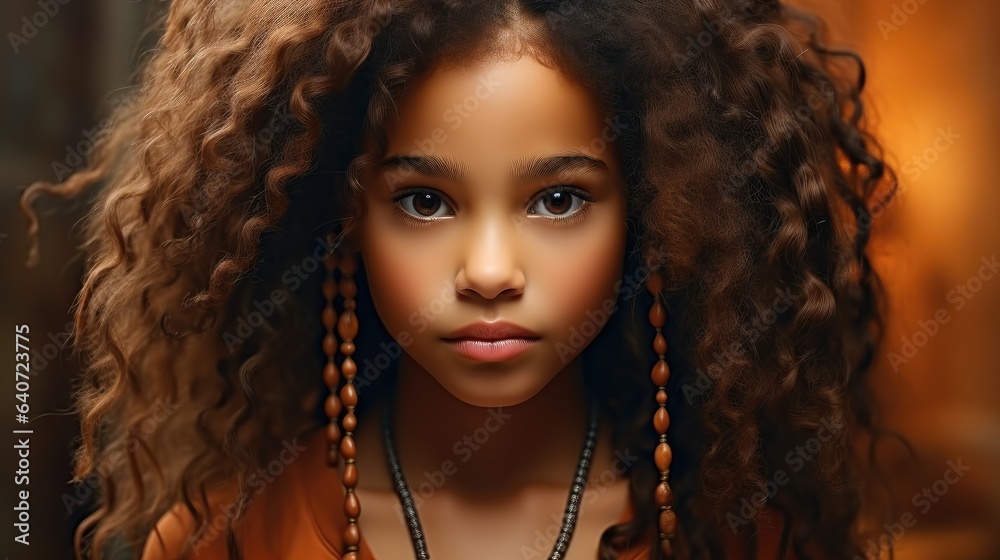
(503,107)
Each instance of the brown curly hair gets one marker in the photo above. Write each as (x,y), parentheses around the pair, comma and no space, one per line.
(749,172)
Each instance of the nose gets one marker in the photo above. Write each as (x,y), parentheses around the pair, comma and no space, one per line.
(492,260)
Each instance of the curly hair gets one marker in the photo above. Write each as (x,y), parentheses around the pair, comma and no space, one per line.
(749,173)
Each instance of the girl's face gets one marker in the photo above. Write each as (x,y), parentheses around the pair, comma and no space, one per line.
(500,198)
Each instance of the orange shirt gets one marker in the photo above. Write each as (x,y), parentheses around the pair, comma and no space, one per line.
(300,515)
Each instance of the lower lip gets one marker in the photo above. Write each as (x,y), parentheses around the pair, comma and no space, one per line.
(491,350)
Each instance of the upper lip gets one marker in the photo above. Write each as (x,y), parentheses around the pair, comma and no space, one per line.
(497,330)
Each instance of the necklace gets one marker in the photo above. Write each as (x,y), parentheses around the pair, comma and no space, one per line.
(572,504)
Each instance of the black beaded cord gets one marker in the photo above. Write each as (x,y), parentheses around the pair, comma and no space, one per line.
(572,504)
(402,490)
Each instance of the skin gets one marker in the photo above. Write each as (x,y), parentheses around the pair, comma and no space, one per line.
(488,252)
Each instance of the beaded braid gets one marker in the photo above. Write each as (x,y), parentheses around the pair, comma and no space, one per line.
(342,445)
(347,327)
(331,373)
(663,495)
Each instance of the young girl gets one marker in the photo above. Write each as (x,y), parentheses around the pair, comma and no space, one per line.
(480,279)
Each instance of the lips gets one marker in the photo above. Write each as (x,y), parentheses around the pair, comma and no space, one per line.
(492,342)
(495,331)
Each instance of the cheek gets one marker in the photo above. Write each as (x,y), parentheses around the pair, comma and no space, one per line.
(585,283)
(401,283)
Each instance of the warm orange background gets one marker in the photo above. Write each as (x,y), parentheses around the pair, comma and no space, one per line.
(933,81)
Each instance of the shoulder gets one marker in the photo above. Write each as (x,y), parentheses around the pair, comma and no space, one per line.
(285,518)
(172,538)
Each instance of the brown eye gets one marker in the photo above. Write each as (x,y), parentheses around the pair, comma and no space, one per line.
(423,204)
(426,204)
(560,202)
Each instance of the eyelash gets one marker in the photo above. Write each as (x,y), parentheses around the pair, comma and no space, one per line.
(578,215)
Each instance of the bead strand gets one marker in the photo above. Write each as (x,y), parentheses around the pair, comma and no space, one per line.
(347,327)
(331,373)
(663,495)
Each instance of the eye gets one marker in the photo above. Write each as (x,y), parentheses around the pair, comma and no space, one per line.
(422,204)
(560,202)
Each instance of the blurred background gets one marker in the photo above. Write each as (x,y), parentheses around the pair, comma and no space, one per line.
(933,82)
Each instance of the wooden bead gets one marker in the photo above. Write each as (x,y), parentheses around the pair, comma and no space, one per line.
(329,317)
(350,422)
(351,556)
(351,475)
(666,547)
(352,507)
(668,522)
(352,534)
(329,345)
(348,288)
(347,326)
(661,373)
(350,304)
(329,289)
(660,344)
(661,397)
(333,433)
(657,314)
(664,495)
(348,265)
(349,395)
(654,284)
(330,262)
(661,420)
(332,455)
(349,368)
(347,348)
(331,374)
(332,406)
(662,457)
(347,448)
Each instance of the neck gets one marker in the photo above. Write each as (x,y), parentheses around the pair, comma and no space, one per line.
(474,452)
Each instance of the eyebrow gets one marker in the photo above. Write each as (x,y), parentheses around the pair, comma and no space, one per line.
(520,170)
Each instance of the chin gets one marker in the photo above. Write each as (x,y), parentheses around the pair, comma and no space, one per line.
(493,389)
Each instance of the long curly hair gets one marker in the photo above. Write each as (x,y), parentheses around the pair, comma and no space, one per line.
(750,177)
